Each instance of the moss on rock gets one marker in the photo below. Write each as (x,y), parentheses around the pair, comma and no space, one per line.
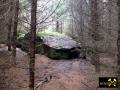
(43,48)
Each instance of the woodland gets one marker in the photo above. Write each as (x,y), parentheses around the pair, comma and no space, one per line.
(59,44)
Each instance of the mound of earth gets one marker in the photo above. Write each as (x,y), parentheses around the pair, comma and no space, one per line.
(52,44)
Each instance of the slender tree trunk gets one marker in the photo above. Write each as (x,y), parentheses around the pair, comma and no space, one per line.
(61,29)
(9,35)
(94,26)
(32,44)
(118,42)
(57,26)
(82,24)
(15,27)
(10,27)
(110,24)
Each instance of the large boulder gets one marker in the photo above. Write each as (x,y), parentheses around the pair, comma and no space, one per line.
(52,44)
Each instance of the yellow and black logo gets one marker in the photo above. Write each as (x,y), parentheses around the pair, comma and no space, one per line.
(108,82)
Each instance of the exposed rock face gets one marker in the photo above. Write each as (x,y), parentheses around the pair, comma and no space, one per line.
(55,46)
(59,42)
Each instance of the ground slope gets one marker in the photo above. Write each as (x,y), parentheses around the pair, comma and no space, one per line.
(77,74)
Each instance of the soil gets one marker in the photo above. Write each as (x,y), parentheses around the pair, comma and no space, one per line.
(76,74)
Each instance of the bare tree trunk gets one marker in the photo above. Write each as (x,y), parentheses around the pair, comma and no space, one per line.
(82,24)
(15,27)
(94,26)
(32,44)
(61,27)
(57,26)
(110,24)
(9,35)
(118,42)
(10,27)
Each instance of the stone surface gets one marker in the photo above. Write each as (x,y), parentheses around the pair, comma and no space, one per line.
(55,46)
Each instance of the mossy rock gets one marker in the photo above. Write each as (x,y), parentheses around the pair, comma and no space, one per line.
(62,54)
(41,49)
(45,47)
(58,54)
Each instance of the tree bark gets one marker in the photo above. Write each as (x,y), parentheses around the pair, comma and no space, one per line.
(15,24)
(94,18)
(118,40)
(118,43)
(9,35)
(10,27)
(32,44)
(57,26)
(61,27)
(94,28)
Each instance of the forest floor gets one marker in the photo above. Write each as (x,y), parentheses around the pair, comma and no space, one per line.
(76,74)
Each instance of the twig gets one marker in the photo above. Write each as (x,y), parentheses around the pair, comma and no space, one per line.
(46,80)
